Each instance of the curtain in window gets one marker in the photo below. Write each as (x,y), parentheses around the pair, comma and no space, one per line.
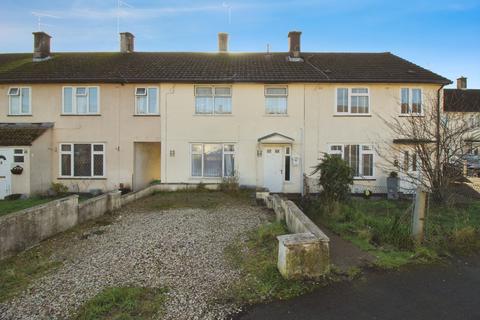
(416,101)
(25,100)
(141,104)
(203,104)
(67,100)
(15,104)
(212,160)
(367,160)
(229,165)
(351,156)
(82,104)
(93,100)
(342,100)
(196,165)
(276,105)
(405,100)
(223,104)
(152,100)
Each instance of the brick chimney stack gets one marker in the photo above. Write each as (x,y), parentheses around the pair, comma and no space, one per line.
(41,46)
(126,42)
(222,42)
(294,44)
(462,83)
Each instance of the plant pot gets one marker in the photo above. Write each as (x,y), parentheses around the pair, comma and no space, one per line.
(16,170)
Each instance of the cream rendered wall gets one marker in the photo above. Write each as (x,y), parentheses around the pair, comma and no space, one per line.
(41,163)
(116,126)
(21,182)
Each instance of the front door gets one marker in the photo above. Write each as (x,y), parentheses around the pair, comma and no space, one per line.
(6,156)
(272,169)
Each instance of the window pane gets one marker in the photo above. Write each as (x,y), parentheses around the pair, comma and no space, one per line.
(93,100)
(405,100)
(15,104)
(416,101)
(355,104)
(197,148)
(222,91)
(212,161)
(406,161)
(287,168)
(276,91)
(414,162)
(18,159)
(203,91)
(82,161)
(66,147)
(223,104)
(81,91)
(141,104)
(152,100)
(367,165)
(204,105)
(196,165)
(98,147)
(67,100)
(363,104)
(351,156)
(229,165)
(141,91)
(25,100)
(342,100)
(229,148)
(66,165)
(360,90)
(81,104)
(98,164)
(276,105)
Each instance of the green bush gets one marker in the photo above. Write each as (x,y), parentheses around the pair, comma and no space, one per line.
(59,188)
(230,184)
(336,176)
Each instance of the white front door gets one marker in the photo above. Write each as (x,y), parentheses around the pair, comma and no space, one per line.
(6,157)
(272,169)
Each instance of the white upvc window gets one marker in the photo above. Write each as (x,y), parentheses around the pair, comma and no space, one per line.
(82,160)
(411,101)
(212,160)
(146,101)
(81,100)
(213,99)
(276,100)
(352,101)
(20,101)
(360,157)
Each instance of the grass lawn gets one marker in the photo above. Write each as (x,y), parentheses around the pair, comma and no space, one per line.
(257,259)
(9,206)
(124,303)
(383,228)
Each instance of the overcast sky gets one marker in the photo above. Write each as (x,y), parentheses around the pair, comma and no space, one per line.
(441,35)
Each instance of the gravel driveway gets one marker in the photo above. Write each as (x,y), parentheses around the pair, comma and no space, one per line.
(181,249)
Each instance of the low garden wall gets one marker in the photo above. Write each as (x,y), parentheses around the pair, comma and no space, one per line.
(306,252)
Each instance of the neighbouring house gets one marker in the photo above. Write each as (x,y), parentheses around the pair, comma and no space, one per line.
(106,119)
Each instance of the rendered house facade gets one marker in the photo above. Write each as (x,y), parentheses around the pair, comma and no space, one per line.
(128,118)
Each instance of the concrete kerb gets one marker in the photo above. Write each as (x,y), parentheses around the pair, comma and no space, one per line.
(305,253)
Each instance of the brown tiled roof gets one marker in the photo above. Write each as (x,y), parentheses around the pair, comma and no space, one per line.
(458,100)
(21,134)
(144,67)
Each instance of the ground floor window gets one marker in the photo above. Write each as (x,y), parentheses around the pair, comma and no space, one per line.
(82,160)
(358,156)
(212,160)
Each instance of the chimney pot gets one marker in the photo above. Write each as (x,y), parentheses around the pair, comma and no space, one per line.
(462,83)
(41,46)
(126,42)
(222,42)
(294,43)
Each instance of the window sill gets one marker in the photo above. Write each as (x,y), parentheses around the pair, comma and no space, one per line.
(80,178)
(364,179)
(20,115)
(81,115)
(276,115)
(410,115)
(213,115)
(367,115)
(146,115)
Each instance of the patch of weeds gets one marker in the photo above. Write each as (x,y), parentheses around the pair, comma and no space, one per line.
(124,303)
(18,272)
(257,259)
(353,273)
(391,259)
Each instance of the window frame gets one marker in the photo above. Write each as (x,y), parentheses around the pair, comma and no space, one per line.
(410,103)
(360,157)
(265,95)
(19,94)
(157,102)
(74,101)
(349,101)
(72,160)
(18,152)
(202,153)
(213,95)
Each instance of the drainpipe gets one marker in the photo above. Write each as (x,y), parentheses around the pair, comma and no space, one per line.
(169,92)
(437,134)
(303,143)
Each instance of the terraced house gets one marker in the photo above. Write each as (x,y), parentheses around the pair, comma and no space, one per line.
(102,120)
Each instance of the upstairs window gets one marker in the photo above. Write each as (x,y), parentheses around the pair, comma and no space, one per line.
(19,101)
(146,101)
(358,156)
(81,100)
(276,100)
(353,101)
(82,160)
(213,100)
(411,101)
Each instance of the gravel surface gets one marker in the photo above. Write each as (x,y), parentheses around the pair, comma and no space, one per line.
(181,249)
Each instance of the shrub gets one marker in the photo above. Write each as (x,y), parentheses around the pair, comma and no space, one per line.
(59,188)
(336,176)
(230,184)
(464,240)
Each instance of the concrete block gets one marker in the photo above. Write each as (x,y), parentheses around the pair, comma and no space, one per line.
(302,256)
(114,201)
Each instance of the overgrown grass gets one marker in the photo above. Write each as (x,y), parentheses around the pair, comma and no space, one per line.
(9,206)
(199,198)
(124,303)
(383,228)
(257,260)
(18,272)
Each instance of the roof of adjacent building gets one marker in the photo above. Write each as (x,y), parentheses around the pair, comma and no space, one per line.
(22,134)
(462,100)
(190,67)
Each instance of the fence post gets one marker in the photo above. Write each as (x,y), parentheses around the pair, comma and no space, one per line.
(419,215)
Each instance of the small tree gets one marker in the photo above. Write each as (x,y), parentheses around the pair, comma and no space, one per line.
(336,176)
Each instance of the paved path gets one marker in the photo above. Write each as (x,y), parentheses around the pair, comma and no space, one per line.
(449,291)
